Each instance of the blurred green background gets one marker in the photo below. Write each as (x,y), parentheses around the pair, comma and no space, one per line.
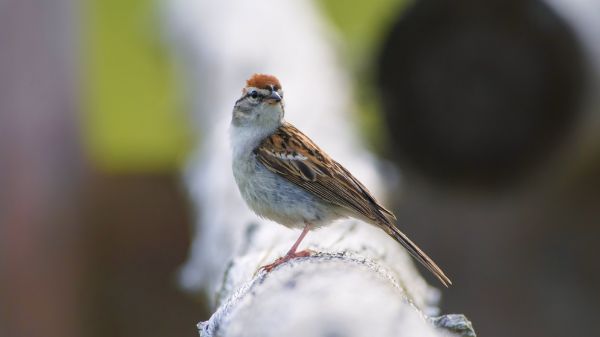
(134,118)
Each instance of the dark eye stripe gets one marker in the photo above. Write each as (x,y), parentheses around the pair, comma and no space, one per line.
(249,95)
(255,95)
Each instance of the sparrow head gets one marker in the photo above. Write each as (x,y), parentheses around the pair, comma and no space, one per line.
(261,103)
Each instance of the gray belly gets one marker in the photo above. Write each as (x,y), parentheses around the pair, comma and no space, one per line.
(274,197)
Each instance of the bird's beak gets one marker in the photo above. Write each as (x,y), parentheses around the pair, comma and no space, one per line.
(274,98)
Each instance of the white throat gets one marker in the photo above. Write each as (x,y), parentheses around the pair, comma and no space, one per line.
(244,139)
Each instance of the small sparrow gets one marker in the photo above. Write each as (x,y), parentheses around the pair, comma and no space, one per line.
(285,177)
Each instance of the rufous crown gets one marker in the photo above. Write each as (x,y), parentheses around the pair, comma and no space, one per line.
(263,81)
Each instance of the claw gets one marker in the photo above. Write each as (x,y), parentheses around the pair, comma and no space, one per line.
(283,259)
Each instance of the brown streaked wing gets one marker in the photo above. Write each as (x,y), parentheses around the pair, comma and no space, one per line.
(291,154)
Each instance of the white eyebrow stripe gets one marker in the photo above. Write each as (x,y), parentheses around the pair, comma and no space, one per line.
(287,155)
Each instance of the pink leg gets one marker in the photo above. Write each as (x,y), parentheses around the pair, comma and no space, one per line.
(292,252)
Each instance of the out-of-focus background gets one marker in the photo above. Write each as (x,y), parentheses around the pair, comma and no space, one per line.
(490,110)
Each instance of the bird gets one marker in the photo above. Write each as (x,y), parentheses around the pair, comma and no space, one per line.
(285,177)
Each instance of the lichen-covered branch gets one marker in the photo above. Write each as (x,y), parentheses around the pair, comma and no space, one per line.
(327,294)
(362,284)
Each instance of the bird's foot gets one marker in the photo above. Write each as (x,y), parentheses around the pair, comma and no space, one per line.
(287,257)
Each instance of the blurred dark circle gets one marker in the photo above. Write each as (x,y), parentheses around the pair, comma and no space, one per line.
(479,91)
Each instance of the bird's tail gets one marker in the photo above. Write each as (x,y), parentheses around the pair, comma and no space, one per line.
(416,252)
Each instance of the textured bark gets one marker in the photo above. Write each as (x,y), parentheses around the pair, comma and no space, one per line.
(359,282)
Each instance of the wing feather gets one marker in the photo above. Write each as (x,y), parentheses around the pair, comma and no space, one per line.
(292,155)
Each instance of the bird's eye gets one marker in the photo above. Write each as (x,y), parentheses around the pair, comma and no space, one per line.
(253,94)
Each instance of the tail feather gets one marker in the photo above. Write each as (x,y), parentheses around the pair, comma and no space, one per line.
(417,253)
